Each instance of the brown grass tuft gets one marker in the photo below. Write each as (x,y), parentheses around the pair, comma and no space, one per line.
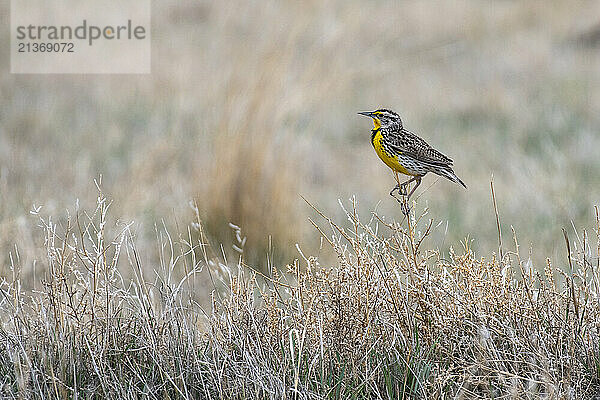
(392,319)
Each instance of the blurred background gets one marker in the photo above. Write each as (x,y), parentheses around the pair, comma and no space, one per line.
(252,104)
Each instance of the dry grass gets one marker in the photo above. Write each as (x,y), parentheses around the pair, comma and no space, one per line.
(243,115)
(391,319)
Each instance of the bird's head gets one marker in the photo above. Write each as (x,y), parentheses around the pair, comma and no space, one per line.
(384,118)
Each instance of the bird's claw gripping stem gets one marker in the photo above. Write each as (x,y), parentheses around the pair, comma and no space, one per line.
(405,196)
(403,200)
(401,190)
(405,208)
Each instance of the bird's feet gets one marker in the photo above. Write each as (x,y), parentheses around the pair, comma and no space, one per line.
(401,190)
(403,199)
(405,208)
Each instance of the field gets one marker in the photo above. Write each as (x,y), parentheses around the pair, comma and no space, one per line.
(222,226)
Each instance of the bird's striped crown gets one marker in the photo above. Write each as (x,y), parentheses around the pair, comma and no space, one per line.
(388,118)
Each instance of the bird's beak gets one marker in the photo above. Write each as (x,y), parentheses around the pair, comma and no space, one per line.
(366,114)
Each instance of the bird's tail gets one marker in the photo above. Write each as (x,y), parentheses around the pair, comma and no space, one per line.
(449,173)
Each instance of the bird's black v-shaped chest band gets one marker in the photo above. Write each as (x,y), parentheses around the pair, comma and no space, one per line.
(373,133)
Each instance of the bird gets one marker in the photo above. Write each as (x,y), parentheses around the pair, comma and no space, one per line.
(405,152)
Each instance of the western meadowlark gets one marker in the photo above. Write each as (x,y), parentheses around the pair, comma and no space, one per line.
(406,153)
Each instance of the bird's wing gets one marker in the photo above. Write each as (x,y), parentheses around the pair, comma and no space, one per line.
(413,146)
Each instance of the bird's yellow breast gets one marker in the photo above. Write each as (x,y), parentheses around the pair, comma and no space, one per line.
(389,159)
